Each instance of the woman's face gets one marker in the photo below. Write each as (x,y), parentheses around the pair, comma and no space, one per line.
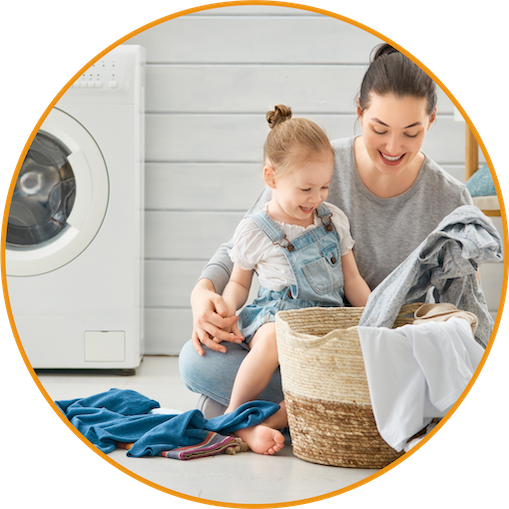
(393,131)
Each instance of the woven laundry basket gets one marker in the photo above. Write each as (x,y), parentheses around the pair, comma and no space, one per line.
(326,390)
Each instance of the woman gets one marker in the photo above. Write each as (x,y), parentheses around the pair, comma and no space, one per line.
(393,195)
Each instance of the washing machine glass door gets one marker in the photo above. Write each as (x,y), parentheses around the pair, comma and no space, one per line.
(59,199)
(44,193)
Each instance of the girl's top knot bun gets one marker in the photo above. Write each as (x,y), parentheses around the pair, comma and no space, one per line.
(384,49)
(294,141)
(278,115)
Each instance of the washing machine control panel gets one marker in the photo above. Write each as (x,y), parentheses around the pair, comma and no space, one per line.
(109,71)
(110,79)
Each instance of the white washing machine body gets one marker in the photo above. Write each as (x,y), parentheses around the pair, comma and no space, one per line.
(75,278)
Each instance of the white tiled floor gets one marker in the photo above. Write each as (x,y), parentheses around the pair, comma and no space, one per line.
(244,478)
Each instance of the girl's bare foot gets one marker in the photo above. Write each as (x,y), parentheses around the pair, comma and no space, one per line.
(262,439)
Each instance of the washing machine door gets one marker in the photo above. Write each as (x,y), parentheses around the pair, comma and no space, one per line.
(59,200)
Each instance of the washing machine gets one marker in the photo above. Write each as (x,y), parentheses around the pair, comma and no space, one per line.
(74,241)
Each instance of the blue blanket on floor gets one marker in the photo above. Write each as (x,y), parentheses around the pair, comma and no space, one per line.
(123,416)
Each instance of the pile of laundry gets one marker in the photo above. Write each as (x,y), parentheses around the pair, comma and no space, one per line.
(417,372)
(127,419)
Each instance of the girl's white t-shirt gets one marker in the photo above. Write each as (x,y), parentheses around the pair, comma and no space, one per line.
(252,249)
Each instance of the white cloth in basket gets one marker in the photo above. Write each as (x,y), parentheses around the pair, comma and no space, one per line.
(416,373)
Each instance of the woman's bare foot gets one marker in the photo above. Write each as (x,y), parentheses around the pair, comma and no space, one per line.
(262,439)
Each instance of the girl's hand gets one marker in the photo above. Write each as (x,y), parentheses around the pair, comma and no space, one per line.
(211,323)
(234,329)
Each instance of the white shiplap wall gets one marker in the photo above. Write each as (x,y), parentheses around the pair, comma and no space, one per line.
(211,77)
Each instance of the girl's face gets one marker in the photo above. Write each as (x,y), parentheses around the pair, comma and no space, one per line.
(296,195)
(393,131)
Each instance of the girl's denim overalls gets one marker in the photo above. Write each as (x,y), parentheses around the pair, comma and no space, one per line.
(315,259)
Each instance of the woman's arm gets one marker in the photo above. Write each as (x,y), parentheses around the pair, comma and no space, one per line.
(356,289)
(219,268)
(209,325)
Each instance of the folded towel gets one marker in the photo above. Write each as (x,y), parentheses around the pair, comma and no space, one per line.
(481,183)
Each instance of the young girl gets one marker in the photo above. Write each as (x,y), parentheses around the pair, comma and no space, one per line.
(301,249)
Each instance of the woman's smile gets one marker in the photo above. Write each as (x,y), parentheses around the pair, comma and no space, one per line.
(387,157)
(391,160)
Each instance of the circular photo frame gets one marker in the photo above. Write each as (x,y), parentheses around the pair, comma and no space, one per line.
(204,80)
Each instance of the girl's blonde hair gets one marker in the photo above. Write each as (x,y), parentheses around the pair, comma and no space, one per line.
(293,140)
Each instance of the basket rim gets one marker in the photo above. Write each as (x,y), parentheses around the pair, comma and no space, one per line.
(314,340)
(326,310)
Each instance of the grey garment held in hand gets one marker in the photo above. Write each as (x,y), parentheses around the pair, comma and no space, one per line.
(447,260)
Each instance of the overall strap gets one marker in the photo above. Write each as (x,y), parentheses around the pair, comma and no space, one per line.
(325,215)
(274,232)
(323,210)
(267,225)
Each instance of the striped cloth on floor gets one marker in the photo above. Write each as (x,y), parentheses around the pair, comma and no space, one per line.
(214,443)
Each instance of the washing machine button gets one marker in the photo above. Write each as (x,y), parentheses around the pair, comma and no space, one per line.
(98,84)
(113,84)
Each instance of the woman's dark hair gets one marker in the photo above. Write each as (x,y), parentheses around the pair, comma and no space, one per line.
(391,72)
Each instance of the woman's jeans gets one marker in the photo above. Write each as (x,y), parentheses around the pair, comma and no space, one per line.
(214,373)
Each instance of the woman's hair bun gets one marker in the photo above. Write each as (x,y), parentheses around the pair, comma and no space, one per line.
(384,49)
(278,115)
(391,72)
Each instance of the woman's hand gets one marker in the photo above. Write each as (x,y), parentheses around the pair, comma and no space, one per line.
(211,323)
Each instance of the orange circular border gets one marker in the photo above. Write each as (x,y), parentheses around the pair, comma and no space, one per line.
(361,16)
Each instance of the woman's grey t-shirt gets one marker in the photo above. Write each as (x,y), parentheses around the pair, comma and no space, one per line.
(385,230)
